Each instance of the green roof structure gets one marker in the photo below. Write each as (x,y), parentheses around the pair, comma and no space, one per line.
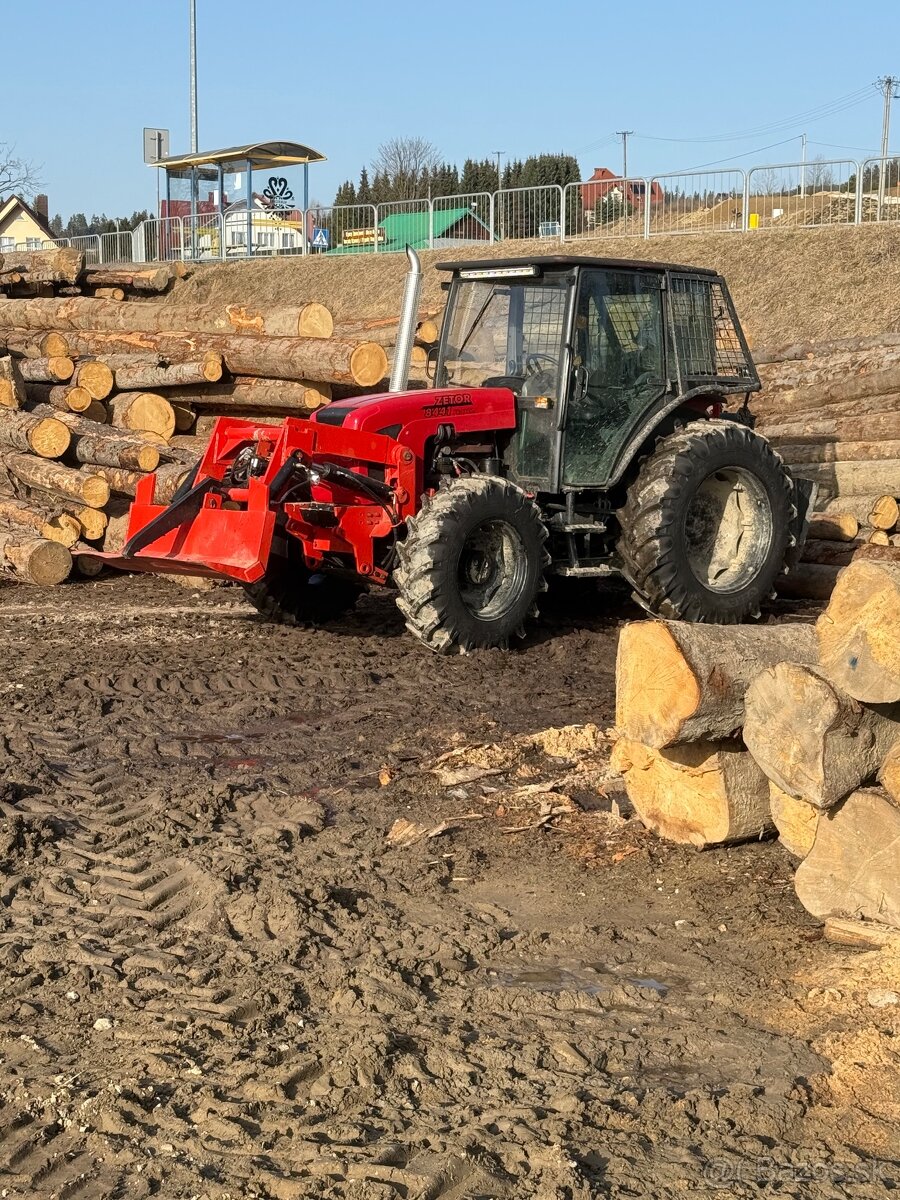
(404,229)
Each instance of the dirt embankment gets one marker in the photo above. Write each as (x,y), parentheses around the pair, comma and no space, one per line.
(791,285)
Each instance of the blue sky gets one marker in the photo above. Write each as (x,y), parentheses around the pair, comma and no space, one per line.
(473,78)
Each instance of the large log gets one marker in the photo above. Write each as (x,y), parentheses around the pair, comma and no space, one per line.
(33,560)
(135,372)
(96,378)
(66,397)
(808,581)
(124,483)
(92,313)
(839,554)
(802,351)
(44,436)
(12,385)
(143,411)
(104,449)
(83,485)
(832,425)
(136,279)
(265,395)
(680,682)
(327,360)
(46,370)
(830,451)
(206,421)
(851,870)
(811,739)
(49,521)
(795,820)
(852,479)
(57,264)
(858,646)
(702,794)
(878,512)
(839,527)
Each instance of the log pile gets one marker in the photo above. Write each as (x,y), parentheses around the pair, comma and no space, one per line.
(731,734)
(832,410)
(98,390)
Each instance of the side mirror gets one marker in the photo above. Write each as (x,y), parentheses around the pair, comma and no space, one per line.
(431,363)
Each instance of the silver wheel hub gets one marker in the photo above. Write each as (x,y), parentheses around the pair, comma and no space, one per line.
(728,530)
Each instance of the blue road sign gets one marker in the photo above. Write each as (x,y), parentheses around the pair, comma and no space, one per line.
(320,239)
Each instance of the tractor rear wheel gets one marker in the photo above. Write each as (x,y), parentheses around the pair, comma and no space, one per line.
(472,565)
(290,594)
(706,524)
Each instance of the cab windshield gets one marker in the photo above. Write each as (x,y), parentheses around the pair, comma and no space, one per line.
(505,334)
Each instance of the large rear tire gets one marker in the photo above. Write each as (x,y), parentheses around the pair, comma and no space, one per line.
(290,594)
(472,565)
(707,523)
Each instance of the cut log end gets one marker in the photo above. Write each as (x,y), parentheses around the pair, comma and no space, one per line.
(60,367)
(39,561)
(795,820)
(49,438)
(368,364)
(315,321)
(96,378)
(656,691)
(857,639)
(95,491)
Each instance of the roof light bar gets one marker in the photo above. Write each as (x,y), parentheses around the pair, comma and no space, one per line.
(498,272)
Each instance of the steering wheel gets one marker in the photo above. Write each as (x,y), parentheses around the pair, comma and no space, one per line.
(533,364)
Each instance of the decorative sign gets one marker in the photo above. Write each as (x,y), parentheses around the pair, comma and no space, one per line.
(278,194)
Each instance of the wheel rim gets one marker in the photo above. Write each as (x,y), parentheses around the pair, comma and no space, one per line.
(728,530)
(492,570)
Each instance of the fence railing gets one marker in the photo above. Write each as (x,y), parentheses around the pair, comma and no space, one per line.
(767,197)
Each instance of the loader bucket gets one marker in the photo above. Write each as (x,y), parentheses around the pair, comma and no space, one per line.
(215,541)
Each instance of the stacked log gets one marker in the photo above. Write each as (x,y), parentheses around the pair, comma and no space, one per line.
(731,734)
(832,410)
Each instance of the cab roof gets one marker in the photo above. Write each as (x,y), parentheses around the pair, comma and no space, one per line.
(572,260)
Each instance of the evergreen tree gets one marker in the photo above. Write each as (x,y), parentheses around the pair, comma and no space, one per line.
(364,189)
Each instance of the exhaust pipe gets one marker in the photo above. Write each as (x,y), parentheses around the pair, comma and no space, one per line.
(408,318)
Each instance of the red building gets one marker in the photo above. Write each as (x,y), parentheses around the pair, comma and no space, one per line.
(603,182)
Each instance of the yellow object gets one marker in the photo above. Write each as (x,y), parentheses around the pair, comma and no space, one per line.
(753,222)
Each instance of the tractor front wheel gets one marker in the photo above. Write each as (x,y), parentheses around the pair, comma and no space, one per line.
(472,565)
(290,594)
(706,524)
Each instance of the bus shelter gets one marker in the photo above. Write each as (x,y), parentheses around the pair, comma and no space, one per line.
(213,207)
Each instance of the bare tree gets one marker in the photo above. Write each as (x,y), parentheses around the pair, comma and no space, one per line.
(819,176)
(406,162)
(17,175)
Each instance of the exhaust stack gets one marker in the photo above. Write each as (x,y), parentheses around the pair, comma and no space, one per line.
(408,317)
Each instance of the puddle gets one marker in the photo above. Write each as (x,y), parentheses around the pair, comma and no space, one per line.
(593,978)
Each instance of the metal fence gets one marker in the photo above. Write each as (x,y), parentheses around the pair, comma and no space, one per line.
(767,197)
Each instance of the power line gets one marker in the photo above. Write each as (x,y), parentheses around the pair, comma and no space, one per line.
(820,112)
(718,162)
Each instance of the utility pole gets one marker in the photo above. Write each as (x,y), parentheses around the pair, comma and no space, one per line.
(624,134)
(890,88)
(497,154)
(194,145)
(803,165)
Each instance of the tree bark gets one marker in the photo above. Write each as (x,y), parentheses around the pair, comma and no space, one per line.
(831,451)
(82,485)
(861,935)
(701,794)
(807,581)
(679,682)
(104,449)
(124,483)
(49,521)
(852,867)
(90,313)
(46,370)
(858,647)
(206,421)
(876,512)
(12,385)
(135,279)
(33,560)
(44,436)
(269,395)
(96,378)
(816,743)
(839,554)
(795,820)
(830,425)
(109,293)
(852,479)
(59,264)
(840,527)
(142,410)
(65,397)
(326,360)
(139,372)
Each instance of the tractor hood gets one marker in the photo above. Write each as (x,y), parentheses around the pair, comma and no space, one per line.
(412,417)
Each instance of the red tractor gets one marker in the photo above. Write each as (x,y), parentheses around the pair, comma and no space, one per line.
(575,426)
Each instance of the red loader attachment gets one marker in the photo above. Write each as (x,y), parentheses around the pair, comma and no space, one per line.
(337,490)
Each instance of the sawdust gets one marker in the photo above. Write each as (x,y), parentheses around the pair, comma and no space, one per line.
(788,285)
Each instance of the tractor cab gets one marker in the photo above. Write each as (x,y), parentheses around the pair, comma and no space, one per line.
(596,351)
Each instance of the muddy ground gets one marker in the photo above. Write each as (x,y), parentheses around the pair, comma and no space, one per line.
(222,978)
